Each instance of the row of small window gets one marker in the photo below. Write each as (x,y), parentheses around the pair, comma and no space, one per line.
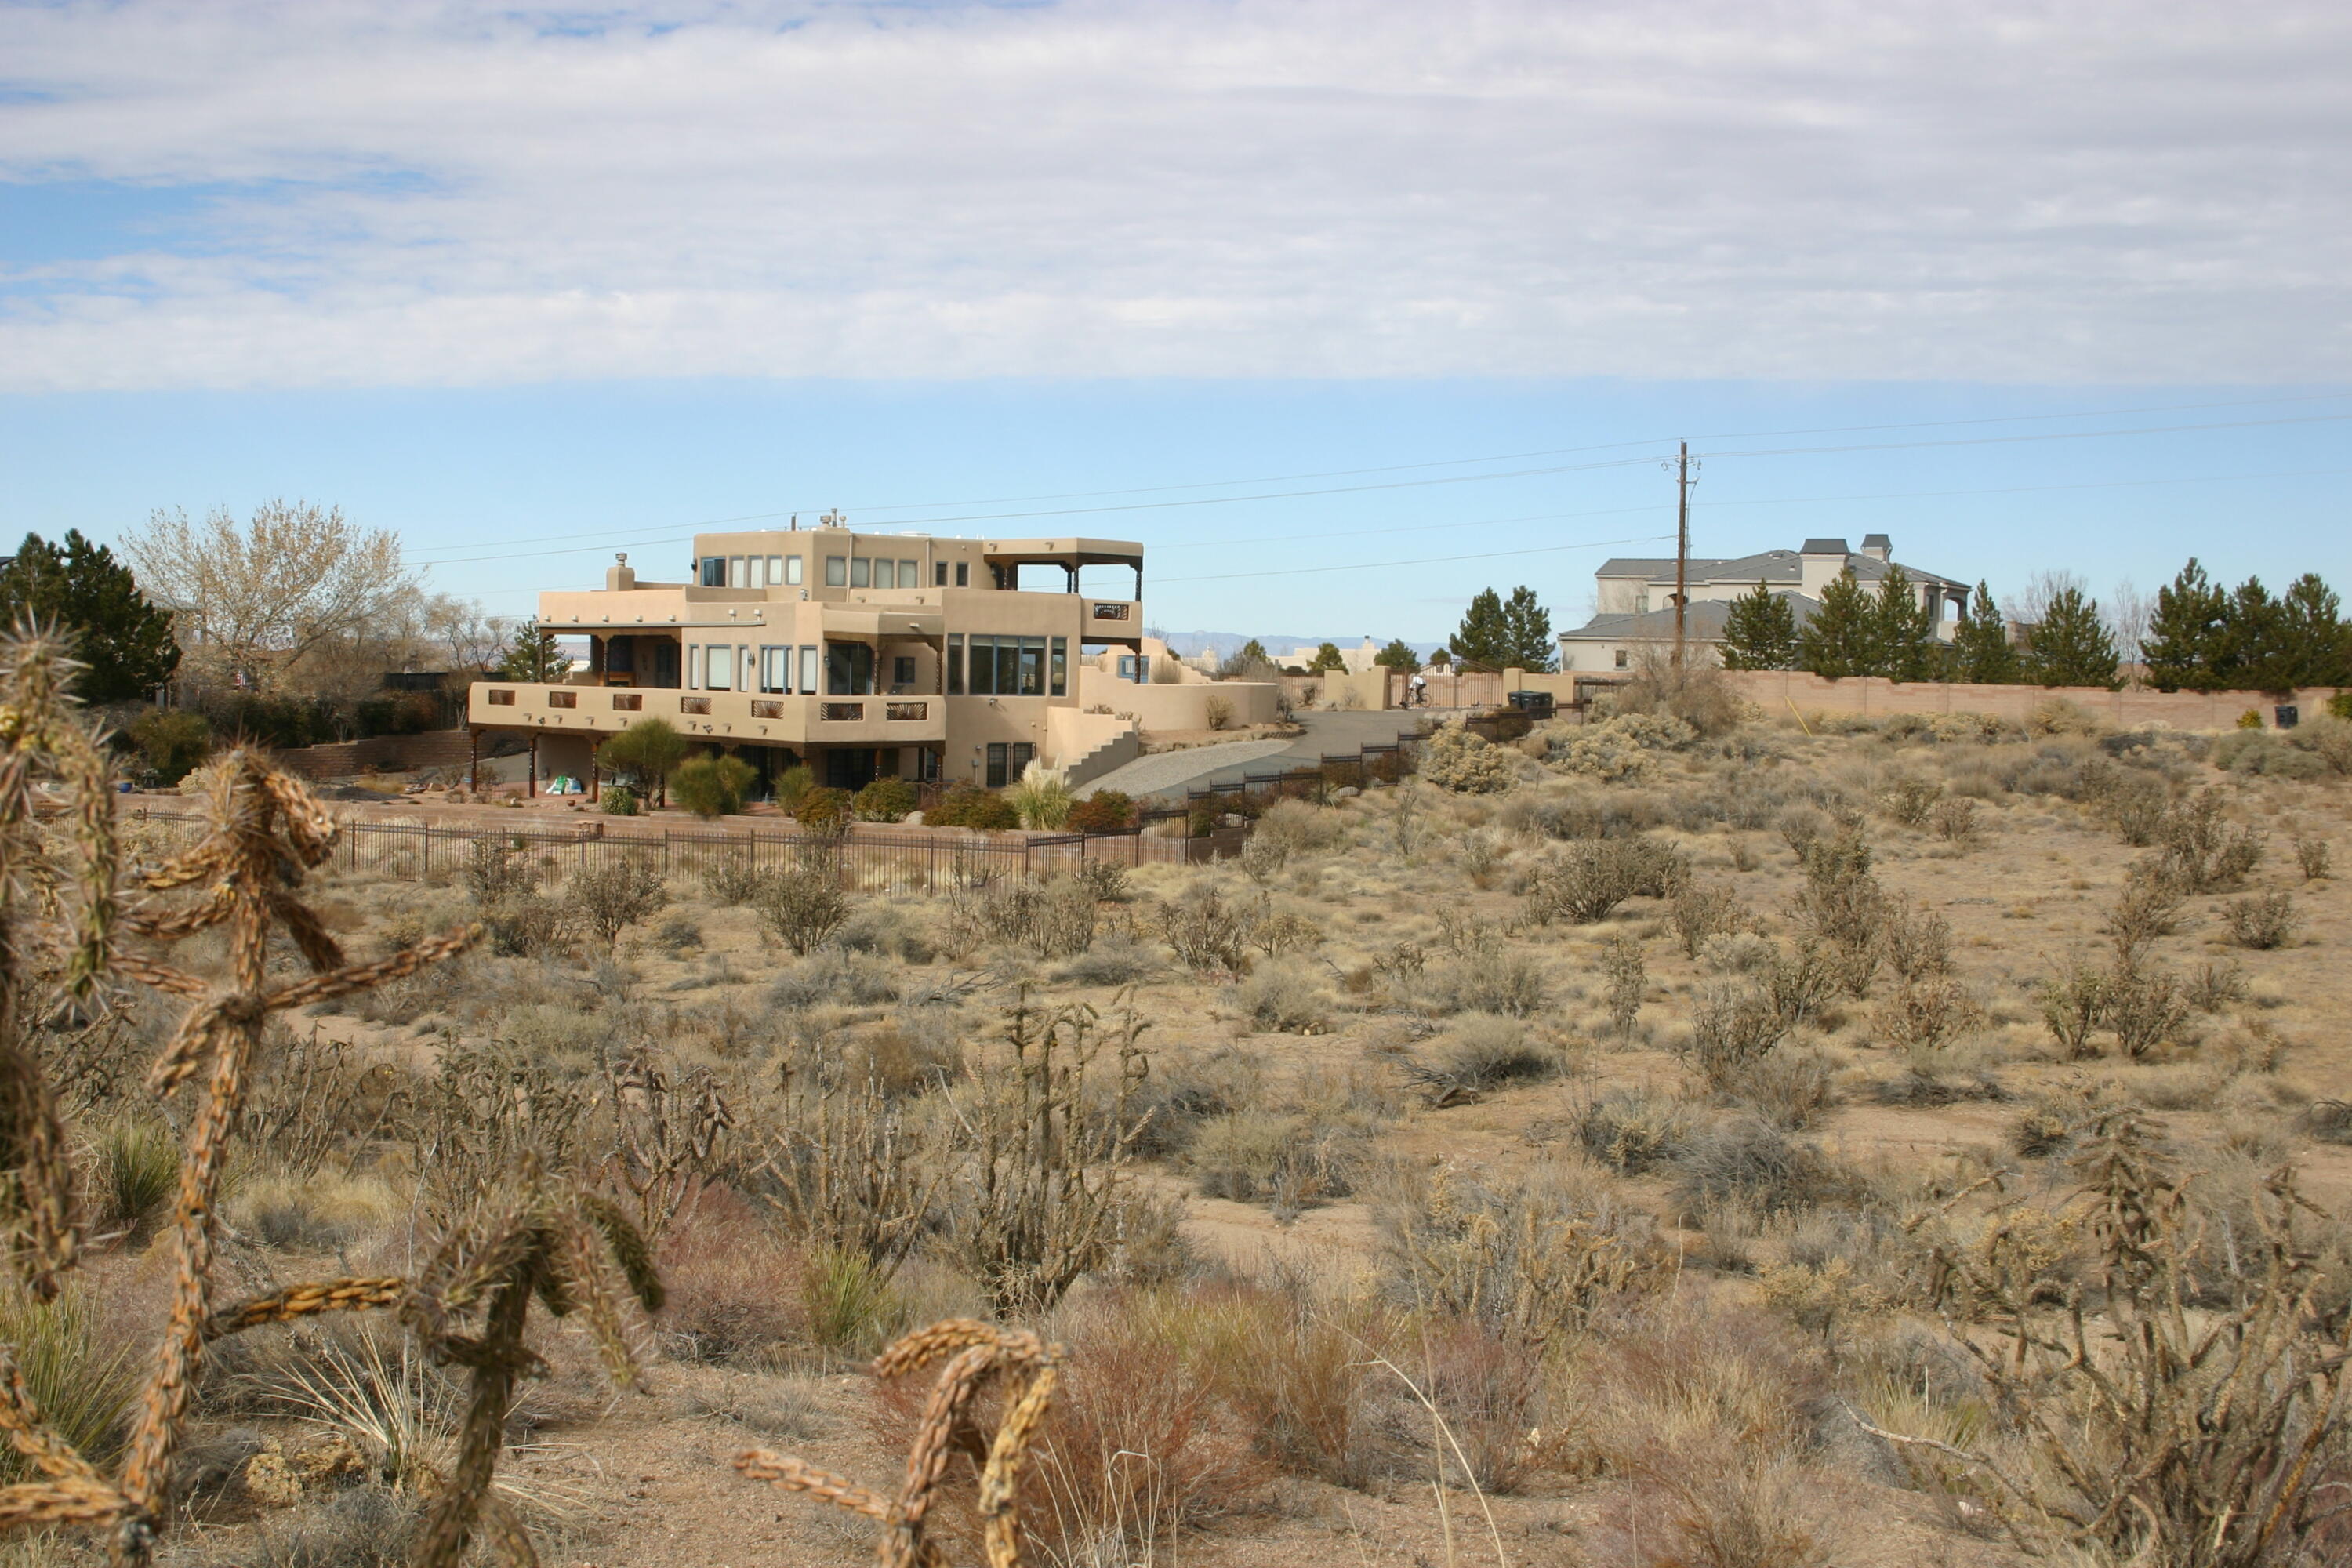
(840,572)
(1008,666)
(844,668)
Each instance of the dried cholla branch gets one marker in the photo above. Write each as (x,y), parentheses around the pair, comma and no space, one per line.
(537,1236)
(975,1353)
(42,736)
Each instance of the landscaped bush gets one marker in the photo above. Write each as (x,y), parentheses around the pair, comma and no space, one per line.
(172,743)
(1105,811)
(964,805)
(823,810)
(619,800)
(712,787)
(884,800)
(1042,801)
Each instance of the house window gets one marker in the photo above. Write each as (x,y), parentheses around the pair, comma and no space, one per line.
(1033,666)
(955,661)
(793,569)
(939,575)
(694,666)
(714,572)
(719,667)
(996,759)
(776,571)
(983,667)
(849,669)
(1022,751)
(1058,669)
(808,671)
(963,573)
(736,576)
(1008,667)
(1624,659)
(743,667)
(910,573)
(837,570)
(902,671)
(1135,666)
(775,669)
(861,572)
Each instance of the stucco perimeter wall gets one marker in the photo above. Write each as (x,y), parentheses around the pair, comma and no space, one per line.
(1177,707)
(1777,691)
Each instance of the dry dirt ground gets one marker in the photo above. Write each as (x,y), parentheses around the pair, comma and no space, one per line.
(643,1476)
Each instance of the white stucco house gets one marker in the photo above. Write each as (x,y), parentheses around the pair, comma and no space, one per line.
(1635,605)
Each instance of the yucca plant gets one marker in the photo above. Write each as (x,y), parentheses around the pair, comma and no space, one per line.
(83,1380)
(138,1168)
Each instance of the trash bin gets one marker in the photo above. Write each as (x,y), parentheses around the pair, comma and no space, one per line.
(1534,704)
(2286,715)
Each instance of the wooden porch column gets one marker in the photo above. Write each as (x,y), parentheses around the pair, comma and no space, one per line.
(530,780)
(472,759)
(596,746)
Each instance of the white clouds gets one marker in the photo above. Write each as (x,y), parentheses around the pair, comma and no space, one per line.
(2018,192)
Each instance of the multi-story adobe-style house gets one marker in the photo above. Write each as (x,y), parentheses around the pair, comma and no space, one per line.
(1634,596)
(860,655)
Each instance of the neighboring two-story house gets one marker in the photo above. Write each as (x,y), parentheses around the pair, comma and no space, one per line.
(1634,602)
(860,655)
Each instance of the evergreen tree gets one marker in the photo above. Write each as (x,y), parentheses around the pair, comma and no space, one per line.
(1441,659)
(1527,632)
(1398,655)
(1902,630)
(1482,641)
(1838,640)
(2315,630)
(2184,634)
(1981,651)
(2071,647)
(95,601)
(1328,660)
(2252,651)
(1760,632)
(534,655)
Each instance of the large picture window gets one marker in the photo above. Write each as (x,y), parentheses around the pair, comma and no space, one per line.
(714,572)
(719,667)
(849,669)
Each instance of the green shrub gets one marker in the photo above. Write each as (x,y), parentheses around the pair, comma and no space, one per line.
(649,752)
(1105,811)
(2340,706)
(619,800)
(173,745)
(884,800)
(793,786)
(1467,762)
(966,806)
(712,787)
(823,810)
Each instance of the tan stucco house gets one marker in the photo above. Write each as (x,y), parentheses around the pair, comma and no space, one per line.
(862,655)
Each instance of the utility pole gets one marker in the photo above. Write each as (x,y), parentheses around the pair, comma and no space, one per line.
(1681,544)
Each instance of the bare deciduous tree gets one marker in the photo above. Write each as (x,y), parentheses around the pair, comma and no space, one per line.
(286,600)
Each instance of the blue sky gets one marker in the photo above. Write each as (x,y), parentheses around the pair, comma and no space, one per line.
(489,276)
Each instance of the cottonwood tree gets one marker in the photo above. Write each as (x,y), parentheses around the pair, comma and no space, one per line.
(124,641)
(292,599)
(458,629)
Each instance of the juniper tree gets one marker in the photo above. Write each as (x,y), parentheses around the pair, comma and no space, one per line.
(1760,632)
(1837,641)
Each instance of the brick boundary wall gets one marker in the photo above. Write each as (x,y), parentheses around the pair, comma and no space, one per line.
(1777,691)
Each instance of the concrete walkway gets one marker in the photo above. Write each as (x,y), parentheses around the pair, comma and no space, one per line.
(1167,771)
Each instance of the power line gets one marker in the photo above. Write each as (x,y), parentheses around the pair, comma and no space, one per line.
(621,534)
(1423,561)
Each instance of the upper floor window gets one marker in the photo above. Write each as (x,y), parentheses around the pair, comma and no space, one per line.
(861,572)
(837,570)
(939,575)
(736,578)
(775,669)
(910,573)
(791,570)
(719,667)
(963,573)
(714,572)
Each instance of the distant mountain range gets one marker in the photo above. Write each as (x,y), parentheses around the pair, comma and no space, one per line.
(1224,644)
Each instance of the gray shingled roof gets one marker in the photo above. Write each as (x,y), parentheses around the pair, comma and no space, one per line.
(1705,621)
(1764,566)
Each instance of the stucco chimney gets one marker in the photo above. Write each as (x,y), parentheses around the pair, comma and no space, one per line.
(1820,563)
(1877,546)
(619,577)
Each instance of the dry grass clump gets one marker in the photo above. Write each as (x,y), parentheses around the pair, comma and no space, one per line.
(1631,1131)
(1286,997)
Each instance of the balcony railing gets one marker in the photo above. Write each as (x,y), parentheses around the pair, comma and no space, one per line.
(766,708)
(563,700)
(840,712)
(906,711)
(1112,610)
(629,702)
(694,704)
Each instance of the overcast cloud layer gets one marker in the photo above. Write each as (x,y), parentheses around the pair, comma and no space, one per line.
(405,194)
